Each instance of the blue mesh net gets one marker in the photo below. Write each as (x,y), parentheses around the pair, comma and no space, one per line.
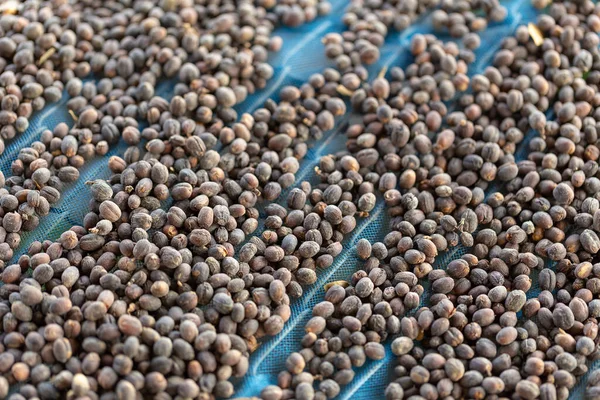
(301,56)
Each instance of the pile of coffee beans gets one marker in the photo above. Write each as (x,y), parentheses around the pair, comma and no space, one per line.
(470,342)
(217,53)
(168,284)
(370,22)
(38,56)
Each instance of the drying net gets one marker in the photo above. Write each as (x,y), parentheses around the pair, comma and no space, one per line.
(301,56)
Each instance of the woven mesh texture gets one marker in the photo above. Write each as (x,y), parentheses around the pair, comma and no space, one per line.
(301,56)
